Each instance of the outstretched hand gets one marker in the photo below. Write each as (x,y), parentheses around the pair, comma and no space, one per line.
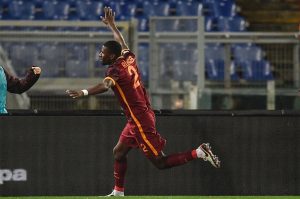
(109,16)
(74,94)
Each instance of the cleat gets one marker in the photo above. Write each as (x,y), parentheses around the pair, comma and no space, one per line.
(115,193)
(209,156)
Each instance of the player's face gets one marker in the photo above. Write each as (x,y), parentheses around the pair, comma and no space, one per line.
(105,56)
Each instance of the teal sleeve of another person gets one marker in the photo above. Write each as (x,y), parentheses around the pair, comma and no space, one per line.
(3,88)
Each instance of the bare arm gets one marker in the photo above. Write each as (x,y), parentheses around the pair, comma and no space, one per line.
(109,20)
(99,88)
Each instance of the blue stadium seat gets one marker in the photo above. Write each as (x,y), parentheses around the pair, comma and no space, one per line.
(4,3)
(144,70)
(54,56)
(156,8)
(182,25)
(76,51)
(143,52)
(215,63)
(4,9)
(257,70)
(54,10)
(167,25)
(210,24)
(18,9)
(1,9)
(227,8)
(211,8)
(143,23)
(39,12)
(215,70)
(231,24)
(76,68)
(50,67)
(246,52)
(117,7)
(166,59)
(189,8)
(76,60)
(238,24)
(55,51)
(178,62)
(214,52)
(128,10)
(23,56)
(6,47)
(89,10)
(223,24)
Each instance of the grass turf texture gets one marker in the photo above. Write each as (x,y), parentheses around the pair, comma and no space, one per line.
(156,197)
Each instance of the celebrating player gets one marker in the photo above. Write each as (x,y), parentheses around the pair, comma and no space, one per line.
(123,77)
(15,85)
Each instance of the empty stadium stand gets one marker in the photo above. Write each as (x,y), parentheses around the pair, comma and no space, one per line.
(220,15)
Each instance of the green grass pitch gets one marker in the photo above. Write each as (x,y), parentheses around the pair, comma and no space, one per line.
(156,197)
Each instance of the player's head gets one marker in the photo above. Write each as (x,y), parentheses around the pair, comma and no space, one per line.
(110,51)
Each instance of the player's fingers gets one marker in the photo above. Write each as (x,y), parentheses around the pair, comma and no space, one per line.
(110,12)
(103,20)
(105,12)
(71,93)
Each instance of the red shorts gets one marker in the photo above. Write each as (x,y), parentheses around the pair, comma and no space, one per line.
(141,132)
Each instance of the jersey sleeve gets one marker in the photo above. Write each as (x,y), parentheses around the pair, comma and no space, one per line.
(16,85)
(112,73)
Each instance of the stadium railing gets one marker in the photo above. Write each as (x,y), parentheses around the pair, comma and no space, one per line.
(280,50)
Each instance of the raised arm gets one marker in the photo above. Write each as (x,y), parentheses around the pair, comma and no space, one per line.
(109,20)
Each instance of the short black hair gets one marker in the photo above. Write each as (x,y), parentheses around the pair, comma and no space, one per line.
(114,47)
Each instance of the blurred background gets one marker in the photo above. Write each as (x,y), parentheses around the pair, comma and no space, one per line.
(192,54)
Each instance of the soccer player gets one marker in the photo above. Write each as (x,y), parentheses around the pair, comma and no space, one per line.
(122,76)
(15,85)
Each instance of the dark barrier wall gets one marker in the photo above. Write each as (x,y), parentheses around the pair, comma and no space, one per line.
(72,155)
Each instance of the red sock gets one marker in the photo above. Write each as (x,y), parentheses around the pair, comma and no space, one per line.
(120,168)
(179,158)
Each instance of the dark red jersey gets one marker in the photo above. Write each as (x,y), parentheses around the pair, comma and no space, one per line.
(128,86)
(140,130)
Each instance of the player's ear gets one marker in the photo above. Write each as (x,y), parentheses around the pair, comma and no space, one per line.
(112,56)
